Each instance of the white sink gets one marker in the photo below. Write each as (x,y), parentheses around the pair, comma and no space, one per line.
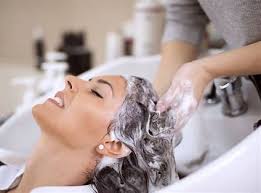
(220,153)
(210,134)
(238,170)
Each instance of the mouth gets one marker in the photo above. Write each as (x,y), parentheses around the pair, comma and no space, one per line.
(58,99)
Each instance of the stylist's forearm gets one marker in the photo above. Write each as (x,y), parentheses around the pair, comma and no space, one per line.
(174,54)
(242,61)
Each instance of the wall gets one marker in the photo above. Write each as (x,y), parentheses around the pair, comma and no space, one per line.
(18,18)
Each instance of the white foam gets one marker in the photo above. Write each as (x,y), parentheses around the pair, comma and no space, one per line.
(107,161)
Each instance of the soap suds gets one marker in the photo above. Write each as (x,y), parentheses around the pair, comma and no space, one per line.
(181,102)
(149,136)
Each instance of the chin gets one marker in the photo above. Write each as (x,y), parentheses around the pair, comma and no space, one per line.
(36,111)
(50,119)
(44,115)
(39,114)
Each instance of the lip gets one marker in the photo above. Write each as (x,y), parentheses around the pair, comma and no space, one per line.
(54,102)
(60,95)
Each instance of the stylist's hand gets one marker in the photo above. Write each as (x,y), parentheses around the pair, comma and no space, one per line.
(185,92)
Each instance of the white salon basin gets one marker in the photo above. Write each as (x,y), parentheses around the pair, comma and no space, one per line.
(238,170)
(229,147)
(220,153)
(210,134)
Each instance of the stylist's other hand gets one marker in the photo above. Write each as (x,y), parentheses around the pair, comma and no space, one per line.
(185,92)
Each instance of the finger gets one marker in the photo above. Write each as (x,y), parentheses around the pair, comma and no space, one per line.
(165,101)
(161,106)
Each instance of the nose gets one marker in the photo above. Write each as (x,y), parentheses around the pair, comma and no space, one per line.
(71,83)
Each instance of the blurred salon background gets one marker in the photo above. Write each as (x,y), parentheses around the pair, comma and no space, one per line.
(31,29)
(42,41)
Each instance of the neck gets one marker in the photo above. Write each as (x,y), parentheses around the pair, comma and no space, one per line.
(52,164)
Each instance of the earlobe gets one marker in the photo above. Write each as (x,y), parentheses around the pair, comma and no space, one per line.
(113,149)
(101,147)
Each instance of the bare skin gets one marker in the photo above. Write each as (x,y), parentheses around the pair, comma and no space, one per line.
(67,151)
(191,78)
(174,54)
(54,165)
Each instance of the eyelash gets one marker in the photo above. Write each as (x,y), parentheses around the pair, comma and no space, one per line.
(96,93)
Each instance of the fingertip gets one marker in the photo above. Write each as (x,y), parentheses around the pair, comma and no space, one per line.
(160,106)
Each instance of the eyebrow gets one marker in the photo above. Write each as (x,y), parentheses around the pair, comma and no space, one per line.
(105,82)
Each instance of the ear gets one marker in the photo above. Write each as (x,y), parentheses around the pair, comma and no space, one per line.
(113,148)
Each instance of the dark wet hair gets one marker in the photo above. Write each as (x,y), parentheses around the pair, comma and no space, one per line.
(149,136)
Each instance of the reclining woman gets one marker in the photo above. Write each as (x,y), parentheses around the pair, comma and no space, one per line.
(103,133)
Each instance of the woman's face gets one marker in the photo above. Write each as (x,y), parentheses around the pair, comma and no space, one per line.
(81,114)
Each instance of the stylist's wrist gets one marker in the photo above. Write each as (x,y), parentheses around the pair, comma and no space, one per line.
(205,65)
(203,70)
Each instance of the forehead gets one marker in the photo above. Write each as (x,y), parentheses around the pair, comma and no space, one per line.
(119,83)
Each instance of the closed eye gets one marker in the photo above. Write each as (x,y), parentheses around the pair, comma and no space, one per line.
(94,92)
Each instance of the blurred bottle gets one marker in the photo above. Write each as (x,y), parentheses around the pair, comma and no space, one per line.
(29,93)
(149,20)
(79,57)
(128,38)
(39,46)
(114,46)
(54,69)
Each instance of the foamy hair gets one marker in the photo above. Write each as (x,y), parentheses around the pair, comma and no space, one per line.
(149,136)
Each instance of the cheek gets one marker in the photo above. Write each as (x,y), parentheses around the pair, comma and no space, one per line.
(80,125)
(83,126)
